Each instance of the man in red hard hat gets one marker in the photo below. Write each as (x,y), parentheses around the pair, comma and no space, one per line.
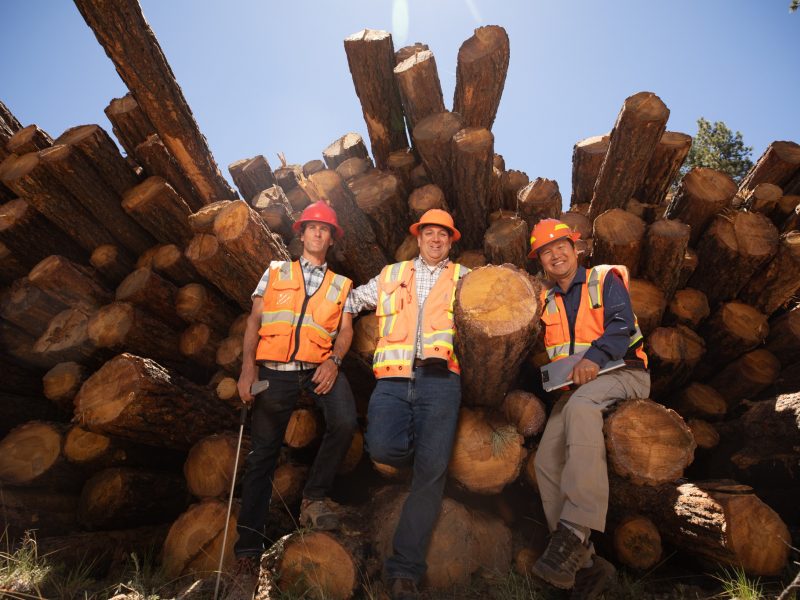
(298,332)
(586,312)
(413,412)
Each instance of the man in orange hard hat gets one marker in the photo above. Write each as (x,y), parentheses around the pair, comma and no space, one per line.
(586,312)
(413,411)
(298,332)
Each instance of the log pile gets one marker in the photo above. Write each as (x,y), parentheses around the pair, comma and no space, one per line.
(124,280)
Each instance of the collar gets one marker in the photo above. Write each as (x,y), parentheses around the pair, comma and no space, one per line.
(306,265)
(579,279)
(420,263)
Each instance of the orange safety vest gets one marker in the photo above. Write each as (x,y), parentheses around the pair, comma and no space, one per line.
(589,323)
(398,313)
(295,326)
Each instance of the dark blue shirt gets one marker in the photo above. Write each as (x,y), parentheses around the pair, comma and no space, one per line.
(618,319)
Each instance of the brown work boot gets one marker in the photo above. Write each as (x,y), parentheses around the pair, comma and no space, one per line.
(593,581)
(318,514)
(564,556)
(244,580)
(401,588)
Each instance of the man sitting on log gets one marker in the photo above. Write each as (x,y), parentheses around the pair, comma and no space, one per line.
(413,411)
(584,311)
(298,331)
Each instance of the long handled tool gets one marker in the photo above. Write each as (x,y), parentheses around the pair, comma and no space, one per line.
(257,388)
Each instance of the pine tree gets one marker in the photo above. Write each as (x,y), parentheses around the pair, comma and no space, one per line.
(717,147)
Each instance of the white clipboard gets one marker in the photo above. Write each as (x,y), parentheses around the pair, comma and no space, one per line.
(555,374)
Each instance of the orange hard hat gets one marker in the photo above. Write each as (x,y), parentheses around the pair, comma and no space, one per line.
(322,213)
(436,216)
(547,231)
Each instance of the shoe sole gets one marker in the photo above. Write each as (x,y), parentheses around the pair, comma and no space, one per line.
(547,575)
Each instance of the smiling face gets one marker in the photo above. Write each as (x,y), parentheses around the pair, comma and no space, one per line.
(559,260)
(434,244)
(317,238)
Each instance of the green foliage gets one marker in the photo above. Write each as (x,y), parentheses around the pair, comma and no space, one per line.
(794,5)
(737,586)
(717,147)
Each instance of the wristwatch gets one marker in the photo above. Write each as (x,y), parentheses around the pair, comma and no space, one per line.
(336,360)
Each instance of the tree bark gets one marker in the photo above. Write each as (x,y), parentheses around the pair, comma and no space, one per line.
(28,307)
(251,176)
(688,307)
(525,411)
(370,56)
(700,400)
(408,51)
(632,142)
(381,197)
(157,161)
(420,91)
(690,261)
(361,255)
(215,263)
(313,166)
(424,198)
(673,353)
(723,523)
(229,354)
(506,241)
(28,178)
(480,76)
(121,497)
(701,194)
(273,206)
(618,238)
(665,245)
(747,376)
(158,208)
(129,123)
(775,284)
(784,337)
(730,252)
(735,328)
(497,319)
(538,200)
(130,43)
(93,452)
(44,510)
(136,398)
(67,339)
(778,164)
(472,152)
(28,139)
(31,455)
(587,158)
(149,291)
(664,166)
(511,183)
(402,163)
(71,284)
(350,145)
(33,237)
(763,198)
(433,140)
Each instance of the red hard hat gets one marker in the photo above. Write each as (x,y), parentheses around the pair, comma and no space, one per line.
(322,213)
(550,230)
(436,216)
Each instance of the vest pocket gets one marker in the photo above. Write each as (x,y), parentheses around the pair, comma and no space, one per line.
(316,338)
(327,314)
(277,329)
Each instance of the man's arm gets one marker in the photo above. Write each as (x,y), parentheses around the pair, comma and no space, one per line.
(249,372)
(327,372)
(364,297)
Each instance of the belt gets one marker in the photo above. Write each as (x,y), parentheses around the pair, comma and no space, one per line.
(430,363)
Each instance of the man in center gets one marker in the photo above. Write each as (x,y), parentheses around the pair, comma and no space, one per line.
(586,312)
(413,412)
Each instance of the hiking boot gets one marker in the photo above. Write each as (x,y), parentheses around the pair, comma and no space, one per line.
(564,556)
(318,514)
(244,582)
(401,588)
(593,581)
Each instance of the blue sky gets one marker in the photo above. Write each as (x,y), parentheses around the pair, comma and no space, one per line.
(264,77)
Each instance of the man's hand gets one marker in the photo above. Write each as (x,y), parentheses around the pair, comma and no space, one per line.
(584,372)
(246,380)
(325,376)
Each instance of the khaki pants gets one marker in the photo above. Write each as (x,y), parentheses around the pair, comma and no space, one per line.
(571,459)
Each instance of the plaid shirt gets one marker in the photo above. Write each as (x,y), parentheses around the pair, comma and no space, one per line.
(365,297)
(313,275)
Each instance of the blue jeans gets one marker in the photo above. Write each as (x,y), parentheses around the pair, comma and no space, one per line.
(413,422)
(269,418)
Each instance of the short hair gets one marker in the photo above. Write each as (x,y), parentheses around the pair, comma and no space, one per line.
(330,227)
(447,229)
